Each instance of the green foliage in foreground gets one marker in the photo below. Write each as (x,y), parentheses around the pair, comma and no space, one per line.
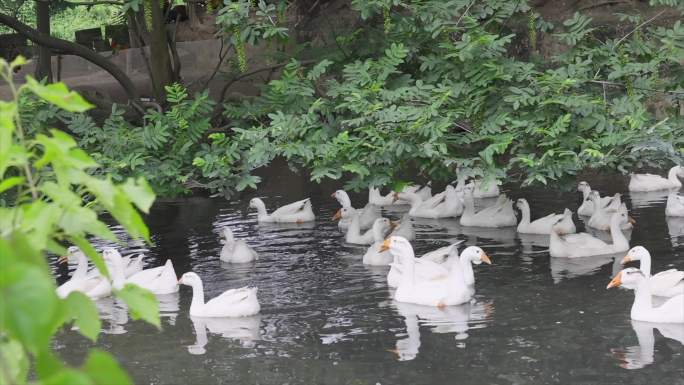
(49,197)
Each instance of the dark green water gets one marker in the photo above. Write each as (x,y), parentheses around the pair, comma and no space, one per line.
(328,319)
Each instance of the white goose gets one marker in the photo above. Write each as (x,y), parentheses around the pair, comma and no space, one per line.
(374,255)
(297,212)
(91,285)
(586,245)
(651,182)
(671,311)
(158,280)
(446,287)
(600,220)
(430,208)
(501,214)
(368,214)
(543,225)
(240,302)
(354,234)
(235,250)
(374,196)
(587,208)
(668,283)
(675,205)
(445,256)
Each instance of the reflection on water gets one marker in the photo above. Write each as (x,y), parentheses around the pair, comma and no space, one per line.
(641,355)
(326,318)
(451,319)
(648,199)
(243,329)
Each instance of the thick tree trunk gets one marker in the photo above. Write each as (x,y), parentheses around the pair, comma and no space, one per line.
(75,49)
(44,65)
(162,73)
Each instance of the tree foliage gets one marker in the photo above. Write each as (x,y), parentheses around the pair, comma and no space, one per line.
(49,197)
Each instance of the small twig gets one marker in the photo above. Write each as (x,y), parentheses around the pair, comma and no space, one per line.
(464,13)
(222,57)
(639,26)
(605,83)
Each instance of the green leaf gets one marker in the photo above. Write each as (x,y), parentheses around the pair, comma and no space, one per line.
(104,370)
(139,192)
(11,182)
(83,310)
(142,304)
(15,363)
(59,95)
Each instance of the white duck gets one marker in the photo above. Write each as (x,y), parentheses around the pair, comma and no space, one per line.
(446,287)
(354,235)
(651,182)
(586,245)
(235,250)
(668,283)
(543,225)
(405,228)
(601,218)
(240,302)
(297,212)
(587,208)
(91,285)
(431,208)
(158,280)
(675,205)
(368,214)
(501,214)
(671,311)
(445,256)
(374,255)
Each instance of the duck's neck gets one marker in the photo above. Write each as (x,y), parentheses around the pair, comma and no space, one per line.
(373,193)
(642,298)
(585,193)
(378,232)
(525,214)
(672,176)
(469,204)
(467,266)
(197,296)
(117,273)
(261,209)
(461,183)
(343,198)
(81,267)
(645,265)
(354,224)
(620,242)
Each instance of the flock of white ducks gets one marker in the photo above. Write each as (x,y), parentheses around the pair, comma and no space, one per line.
(439,278)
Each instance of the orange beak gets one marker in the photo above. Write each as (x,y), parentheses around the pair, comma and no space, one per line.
(338,215)
(485,259)
(631,220)
(615,282)
(63,259)
(626,259)
(385,245)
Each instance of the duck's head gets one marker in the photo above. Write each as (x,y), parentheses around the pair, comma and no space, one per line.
(256,203)
(227,234)
(636,253)
(111,255)
(622,217)
(629,278)
(343,213)
(521,203)
(72,253)
(680,171)
(557,226)
(476,255)
(583,186)
(189,279)
(395,244)
(383,225)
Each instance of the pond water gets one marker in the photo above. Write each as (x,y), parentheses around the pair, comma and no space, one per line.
(328,319)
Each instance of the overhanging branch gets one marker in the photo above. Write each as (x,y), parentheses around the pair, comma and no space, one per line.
(77,50)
